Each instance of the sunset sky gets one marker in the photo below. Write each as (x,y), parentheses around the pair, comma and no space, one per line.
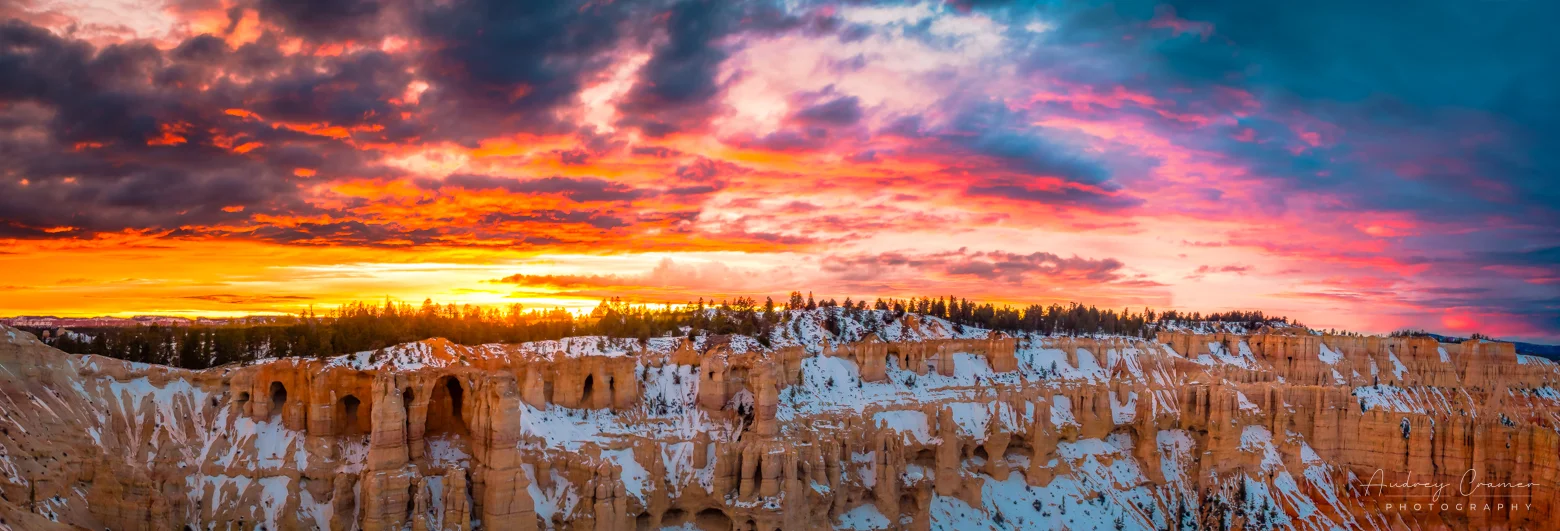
(1361,165)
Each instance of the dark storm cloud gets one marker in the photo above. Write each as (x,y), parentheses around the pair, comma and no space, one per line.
(514,62)
(582,189)
(355,91)
(676,89)
(202,49)
(324,20)
(595,219)
(130,137)
(121,137)
(841,111)
(1025,164)
(354,233)
(992,130)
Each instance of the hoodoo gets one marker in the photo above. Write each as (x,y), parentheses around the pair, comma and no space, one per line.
(894,422)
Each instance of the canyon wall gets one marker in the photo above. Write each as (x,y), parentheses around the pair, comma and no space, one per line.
(890,423)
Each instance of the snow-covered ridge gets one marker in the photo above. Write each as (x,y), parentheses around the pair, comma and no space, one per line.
(799,328)
(1099,390)
(439,352)
(1214,327)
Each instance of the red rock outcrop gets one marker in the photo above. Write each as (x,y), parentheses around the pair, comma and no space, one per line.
(902,424)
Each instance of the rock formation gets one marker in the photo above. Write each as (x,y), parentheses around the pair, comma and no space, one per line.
(893,423)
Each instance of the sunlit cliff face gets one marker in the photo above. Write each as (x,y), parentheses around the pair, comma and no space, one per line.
(1342,165)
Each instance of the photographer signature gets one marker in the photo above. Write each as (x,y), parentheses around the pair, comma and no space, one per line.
(1468,485)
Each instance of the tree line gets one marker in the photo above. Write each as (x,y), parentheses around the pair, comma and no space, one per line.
(1055,319)
(358,326)
(1412,332)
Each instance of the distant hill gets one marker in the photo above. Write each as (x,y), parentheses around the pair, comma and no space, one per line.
(1531,349)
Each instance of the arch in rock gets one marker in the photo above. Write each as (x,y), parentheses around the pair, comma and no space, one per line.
(349,418)
(278,397)
(712,519)
(446,407)
(587,392)
(893,358)
(674,516)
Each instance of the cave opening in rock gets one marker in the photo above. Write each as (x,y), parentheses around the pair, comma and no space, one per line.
(587,398)
(446,407)
(712,519)
(349,422)
(406,404)
(455,396)
(278,397)
(243,397)
(411,498)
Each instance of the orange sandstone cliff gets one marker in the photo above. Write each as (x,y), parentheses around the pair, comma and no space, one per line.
(894,423)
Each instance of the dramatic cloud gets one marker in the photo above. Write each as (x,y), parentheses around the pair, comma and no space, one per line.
(841,111)
(1206,270)
(1335,162)
(576,189)
(1001,266)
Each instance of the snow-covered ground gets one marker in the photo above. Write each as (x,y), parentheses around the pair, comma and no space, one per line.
(1100,482)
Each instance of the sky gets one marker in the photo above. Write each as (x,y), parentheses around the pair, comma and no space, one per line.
(1360,165)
